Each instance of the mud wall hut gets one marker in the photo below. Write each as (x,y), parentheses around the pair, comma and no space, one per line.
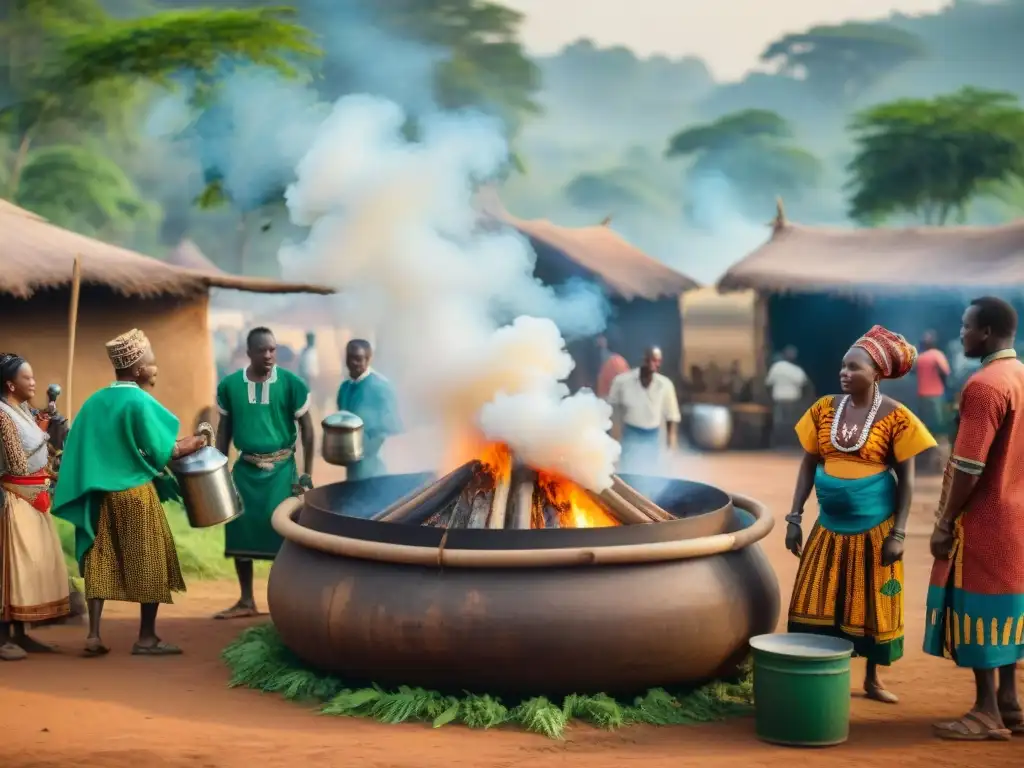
(645,294)
(120,289)
(819,288)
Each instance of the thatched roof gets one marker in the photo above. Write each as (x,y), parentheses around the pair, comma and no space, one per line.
(809,259)
(187,255)
(36,255)
(623,268)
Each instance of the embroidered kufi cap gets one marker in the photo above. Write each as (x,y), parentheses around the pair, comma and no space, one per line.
(127,349)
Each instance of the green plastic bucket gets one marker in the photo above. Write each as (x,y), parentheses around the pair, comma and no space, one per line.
(802,689)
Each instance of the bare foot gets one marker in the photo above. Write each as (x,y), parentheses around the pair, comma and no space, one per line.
(240,610)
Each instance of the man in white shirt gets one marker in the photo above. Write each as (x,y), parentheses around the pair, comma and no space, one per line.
(787,382)
(644,402)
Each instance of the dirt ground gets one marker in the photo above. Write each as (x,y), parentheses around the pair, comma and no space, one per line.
(124,711)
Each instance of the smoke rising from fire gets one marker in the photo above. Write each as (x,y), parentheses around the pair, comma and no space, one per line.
(393,225)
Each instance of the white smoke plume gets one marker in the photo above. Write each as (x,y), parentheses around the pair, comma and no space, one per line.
(393,226)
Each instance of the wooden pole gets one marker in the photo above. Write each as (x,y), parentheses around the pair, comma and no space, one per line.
(76,288)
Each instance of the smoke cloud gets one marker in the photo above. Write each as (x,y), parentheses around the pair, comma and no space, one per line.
(393,226)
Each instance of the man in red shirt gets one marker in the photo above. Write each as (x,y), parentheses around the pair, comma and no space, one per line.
(612,364)
(932,373)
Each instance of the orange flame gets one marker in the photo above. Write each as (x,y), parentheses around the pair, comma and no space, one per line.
(576,508)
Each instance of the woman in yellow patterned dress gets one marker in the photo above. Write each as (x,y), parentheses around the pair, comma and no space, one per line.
(859,459)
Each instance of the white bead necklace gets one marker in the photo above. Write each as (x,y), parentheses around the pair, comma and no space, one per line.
(875,405)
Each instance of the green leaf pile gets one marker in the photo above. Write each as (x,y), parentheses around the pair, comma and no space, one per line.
(259,660)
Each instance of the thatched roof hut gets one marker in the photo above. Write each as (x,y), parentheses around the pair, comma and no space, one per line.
(187,255)
(820,287)
(597,251)
(806,259)
(120,289)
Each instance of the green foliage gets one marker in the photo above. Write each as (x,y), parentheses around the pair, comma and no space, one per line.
(729,132)
(930,157)
(200,553)
(753,150)
(841,62)
(259,660)
(81,189)
(486,66)
(156,47)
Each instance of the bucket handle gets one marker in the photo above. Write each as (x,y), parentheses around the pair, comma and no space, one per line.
(206,430)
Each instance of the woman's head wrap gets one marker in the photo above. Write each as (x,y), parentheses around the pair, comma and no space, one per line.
(127,349)
(893,355)
(10,364)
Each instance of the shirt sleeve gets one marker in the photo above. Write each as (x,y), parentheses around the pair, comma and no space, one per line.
(942,363)
(982,410)
(670,403)
(807,428)
(300,400)
(615,392)
(910,437)
(769,379)
(224,397)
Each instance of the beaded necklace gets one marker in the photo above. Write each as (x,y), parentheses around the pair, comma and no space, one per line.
(834,435)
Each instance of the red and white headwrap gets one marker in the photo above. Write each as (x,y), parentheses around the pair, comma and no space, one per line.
(892,353)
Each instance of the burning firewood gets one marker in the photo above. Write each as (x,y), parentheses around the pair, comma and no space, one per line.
(551,516)
(421,504)
(623,511)
(474,502)
(499,505)
(524,481)
(641,502)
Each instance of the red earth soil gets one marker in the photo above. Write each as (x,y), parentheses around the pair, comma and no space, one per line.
(120,710)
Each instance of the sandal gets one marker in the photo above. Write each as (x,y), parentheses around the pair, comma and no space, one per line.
(12,652)
(95,647)
(974,726)
(160,649)
(238,612)
(1014,721)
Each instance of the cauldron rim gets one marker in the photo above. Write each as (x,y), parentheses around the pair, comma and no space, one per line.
(701,509)
(288,527)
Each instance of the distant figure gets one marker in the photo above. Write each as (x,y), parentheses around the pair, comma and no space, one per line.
(644,402)
(697,384)
(975,607)
(932,373)
(286,358)
(740,387)
(612,365)
(371,397)
(786,381)
(309,360)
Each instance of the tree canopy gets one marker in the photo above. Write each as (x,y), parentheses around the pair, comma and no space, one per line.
(841,62)
(930,157)
(753,149)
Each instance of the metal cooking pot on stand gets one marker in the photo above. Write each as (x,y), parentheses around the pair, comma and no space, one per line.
(207,490)
(342,440)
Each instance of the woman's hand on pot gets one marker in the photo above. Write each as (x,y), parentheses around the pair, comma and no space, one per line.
(795,539)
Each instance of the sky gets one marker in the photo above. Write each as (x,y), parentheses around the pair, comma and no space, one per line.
(728,34)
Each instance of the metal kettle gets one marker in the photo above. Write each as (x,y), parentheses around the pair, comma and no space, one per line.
(207,489)
(342,442)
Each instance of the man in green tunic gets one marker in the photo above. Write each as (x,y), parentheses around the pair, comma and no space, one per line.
(371,397)
(259,407)
(112,466)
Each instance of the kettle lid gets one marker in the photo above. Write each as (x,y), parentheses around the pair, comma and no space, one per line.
(206,459)
(343,420)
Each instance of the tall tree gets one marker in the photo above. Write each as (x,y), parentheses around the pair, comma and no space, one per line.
(85,55)
(929,157)
(754,150)
(841,62)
